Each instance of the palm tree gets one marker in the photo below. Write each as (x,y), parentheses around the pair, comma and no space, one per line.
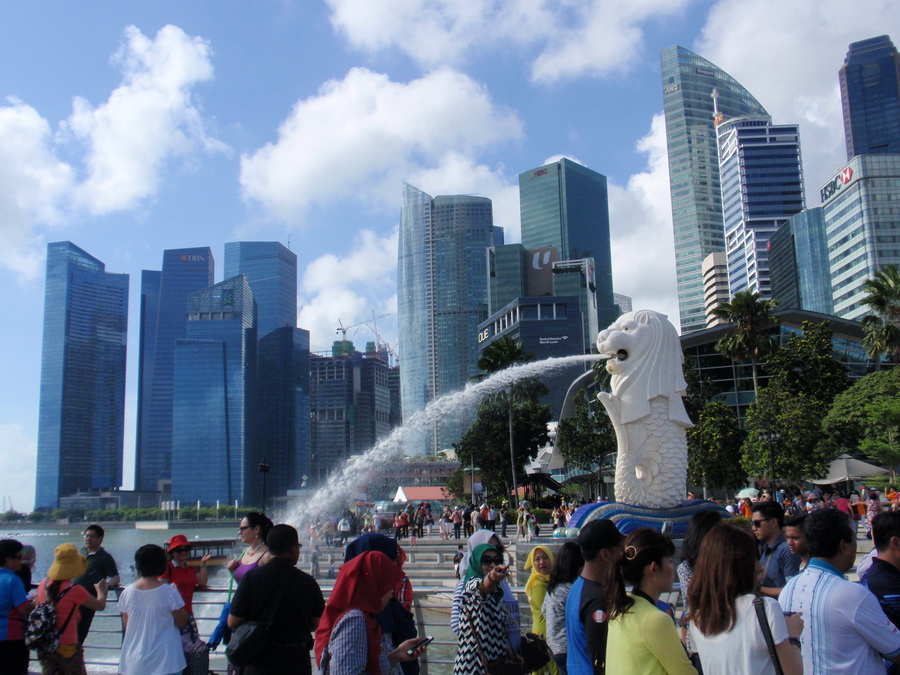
(750,338)
(882,328)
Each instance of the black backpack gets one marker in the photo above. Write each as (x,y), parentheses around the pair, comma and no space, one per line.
(41,633)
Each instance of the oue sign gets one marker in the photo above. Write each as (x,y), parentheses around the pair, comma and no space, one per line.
(836,183)
(484,335)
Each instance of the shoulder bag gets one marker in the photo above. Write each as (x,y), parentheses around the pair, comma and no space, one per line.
(250,638)
(767,633)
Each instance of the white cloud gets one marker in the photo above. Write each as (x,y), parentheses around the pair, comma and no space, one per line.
(127,142)
(348,288)
(19,453)
(643,249)
(33,182)
(360,137)
(148,120)
(791,64)
(572,39)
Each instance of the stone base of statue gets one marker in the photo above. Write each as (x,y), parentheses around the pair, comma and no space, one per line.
(627,517)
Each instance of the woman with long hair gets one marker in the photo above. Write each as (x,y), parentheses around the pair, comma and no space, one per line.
(698,527)
(642,638)
(349,640)
(483,621)
(566,569)
(725,629)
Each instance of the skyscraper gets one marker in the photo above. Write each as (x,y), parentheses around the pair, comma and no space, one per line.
(688,81)
(213,454)
(163,320)
(442,296)
(762,186)
(798,263)
(82,405)
(271,269)
(283,407)
(565,206)
(863,232)
(870,97)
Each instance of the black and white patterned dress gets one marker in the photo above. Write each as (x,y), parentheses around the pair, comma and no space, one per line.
(489,619)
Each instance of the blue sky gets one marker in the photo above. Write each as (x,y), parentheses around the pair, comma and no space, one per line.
(129,128)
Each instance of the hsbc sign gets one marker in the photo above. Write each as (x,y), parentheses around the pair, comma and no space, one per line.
(836,183)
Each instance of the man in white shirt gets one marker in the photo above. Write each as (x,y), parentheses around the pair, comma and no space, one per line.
(845,631)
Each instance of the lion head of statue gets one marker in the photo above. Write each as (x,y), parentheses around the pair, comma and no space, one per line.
(644,357)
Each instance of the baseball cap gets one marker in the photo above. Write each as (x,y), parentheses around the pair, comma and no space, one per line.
(598,534)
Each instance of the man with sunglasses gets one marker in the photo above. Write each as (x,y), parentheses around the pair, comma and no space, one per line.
(778,563)
(100,565)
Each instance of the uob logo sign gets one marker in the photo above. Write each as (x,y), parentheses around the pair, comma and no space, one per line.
(837,183)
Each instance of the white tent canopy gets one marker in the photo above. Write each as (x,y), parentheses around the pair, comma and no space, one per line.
(846,468)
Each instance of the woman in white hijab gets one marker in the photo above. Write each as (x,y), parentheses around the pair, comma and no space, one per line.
(509,600)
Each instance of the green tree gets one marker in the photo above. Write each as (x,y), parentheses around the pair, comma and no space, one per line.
(714,448)
(487,440)
(501,354)
(883,329)
(584,437)
(806,364)
(882,439)
(750,337)
(847,422)
(796,421)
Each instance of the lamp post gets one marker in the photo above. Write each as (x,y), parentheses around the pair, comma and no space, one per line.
(771,436)
(512,454)
(264,469)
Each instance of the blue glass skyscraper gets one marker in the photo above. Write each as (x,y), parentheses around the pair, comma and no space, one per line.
(564,205)
(82,407)
(163,320)
(870,97)
(688,81)
(213,456)
(762,186)
(283,407)
(271,269)
(442,294)
(798,263)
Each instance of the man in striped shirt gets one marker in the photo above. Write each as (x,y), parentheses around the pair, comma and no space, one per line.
(845,629)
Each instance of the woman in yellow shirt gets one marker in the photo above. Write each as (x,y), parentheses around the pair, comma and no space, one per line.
(642,638)
(540,562)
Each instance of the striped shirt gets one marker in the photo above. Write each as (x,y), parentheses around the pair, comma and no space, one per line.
(845,630)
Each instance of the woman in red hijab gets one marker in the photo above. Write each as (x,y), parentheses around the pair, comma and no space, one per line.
(349,639)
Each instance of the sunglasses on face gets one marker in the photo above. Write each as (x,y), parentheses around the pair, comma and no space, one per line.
(758,523)
(243,527)
(181,549)
(492,560)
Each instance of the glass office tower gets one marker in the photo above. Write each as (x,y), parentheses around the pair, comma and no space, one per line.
(213,456)
(271,269)
(283,407)
(798,263)
(82,406)
(870,97)
(565,206)
(862,227)
(442,297)
(762,186)
(688,81)
(163,320)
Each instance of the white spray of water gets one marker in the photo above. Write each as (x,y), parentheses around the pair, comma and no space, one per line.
(339,490)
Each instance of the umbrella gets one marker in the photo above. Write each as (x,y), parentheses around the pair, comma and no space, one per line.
(747,492)
(846,468)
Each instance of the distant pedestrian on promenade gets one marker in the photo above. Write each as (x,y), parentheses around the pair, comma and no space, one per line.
(100,565)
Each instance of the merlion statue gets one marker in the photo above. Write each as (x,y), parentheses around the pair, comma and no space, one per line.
(646,408)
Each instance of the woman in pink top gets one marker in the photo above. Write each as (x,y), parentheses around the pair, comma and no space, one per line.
(58,588)
(253,530)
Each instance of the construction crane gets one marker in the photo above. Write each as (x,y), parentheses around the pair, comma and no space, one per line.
(379,344)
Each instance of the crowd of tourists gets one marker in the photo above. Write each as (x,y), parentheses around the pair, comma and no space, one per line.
(771,600)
